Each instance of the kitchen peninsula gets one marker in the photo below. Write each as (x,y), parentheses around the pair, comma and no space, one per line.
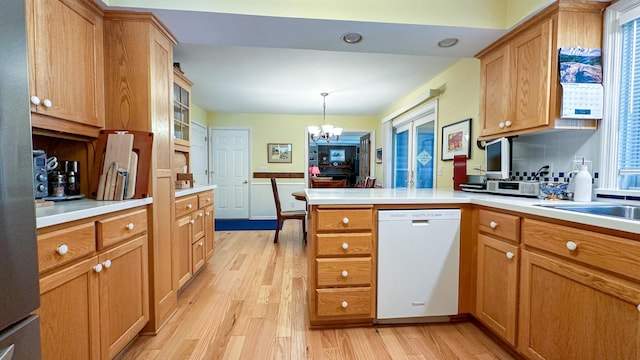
(519,260)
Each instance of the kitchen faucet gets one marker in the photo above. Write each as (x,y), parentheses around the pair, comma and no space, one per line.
(544,170)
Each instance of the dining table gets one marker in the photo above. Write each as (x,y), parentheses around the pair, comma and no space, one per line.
(299,195)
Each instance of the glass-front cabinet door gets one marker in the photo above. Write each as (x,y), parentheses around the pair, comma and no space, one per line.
(181,110)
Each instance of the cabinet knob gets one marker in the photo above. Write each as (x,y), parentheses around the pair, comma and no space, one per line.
(345,220)
(638,307)
(571,245)
(501,125)
(208,199)
(47,103)
(493,224)
(345,273)
(130,226)
(344,304)
(189,206)
(35,100)
(510,255)
(107,264)
(200,215)
(206,213)
(345,246)
(200,244)
(97,268)
(62,249)
(507,123)
(192,221)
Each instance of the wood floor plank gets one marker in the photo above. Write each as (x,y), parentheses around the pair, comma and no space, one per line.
(249,302)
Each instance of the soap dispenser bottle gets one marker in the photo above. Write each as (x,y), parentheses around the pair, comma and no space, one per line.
(582,183)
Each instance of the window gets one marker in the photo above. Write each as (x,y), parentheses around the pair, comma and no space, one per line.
(621,123)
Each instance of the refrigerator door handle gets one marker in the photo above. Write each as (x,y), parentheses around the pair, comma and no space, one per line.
(7,354)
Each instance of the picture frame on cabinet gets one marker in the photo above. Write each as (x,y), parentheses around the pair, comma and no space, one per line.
(456,140)
(279,153)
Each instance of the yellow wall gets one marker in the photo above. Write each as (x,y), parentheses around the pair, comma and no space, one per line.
(198,114)
(286,128)
(460,100)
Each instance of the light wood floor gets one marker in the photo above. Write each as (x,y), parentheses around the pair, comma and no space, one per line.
(249,302)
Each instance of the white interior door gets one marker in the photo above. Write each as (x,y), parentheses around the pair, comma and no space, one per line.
(230,172)
(198,155)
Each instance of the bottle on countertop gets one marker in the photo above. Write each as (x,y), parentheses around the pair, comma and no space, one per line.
(582,182)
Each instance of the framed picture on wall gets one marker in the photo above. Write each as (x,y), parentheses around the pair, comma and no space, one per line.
(456,139)
(279,153)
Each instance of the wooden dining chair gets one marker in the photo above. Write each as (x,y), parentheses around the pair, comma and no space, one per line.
(286,215)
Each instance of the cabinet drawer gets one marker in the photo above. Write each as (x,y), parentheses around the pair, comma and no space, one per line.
(344,302)
(344,244)
(118,228)
(341,219)
(607,252)
(62,246)
(341,271)
(204,199)
(499,224)
(186,205)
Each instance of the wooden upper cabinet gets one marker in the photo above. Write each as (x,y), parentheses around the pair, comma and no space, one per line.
(519,87)
(65,41)
(181,111)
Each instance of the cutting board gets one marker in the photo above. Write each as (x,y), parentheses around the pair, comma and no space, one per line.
(133,171)
(142,146)
(118,150)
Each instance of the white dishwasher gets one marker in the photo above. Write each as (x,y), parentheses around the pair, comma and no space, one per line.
(418,265)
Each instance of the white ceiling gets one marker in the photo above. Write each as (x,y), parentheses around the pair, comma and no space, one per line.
(264,64)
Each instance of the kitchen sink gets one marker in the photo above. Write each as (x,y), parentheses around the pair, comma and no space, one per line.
(620,211)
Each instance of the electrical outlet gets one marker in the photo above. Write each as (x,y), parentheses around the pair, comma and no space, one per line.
(439,170)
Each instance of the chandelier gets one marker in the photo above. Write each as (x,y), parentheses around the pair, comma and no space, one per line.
(326,132)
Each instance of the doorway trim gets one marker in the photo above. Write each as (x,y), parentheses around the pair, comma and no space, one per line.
(372,159)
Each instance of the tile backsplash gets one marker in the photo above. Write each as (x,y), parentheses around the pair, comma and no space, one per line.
(558,149)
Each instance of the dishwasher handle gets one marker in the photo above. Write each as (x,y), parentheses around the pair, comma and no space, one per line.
(423,222)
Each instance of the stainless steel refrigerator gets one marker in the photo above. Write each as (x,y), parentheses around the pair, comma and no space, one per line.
(19,294)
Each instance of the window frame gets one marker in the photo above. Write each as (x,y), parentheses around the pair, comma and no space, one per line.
(615,15)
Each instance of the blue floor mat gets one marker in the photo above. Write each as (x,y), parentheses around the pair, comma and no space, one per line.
(244,224)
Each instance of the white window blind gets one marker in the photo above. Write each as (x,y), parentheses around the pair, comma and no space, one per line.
(629,110)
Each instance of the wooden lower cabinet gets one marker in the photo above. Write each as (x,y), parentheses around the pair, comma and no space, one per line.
(69,313)
(182,250)
(92,309)
(194,239)
(497,286)
(568,311)
(124,306)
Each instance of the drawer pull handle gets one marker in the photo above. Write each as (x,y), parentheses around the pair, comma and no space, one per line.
(97,268)
(107,264)
(344,304)
(510,255)
(493,224)
(130,226)
(62,249)
(189,206)
(345,273)
(345,246)
(345,220)
(571,245)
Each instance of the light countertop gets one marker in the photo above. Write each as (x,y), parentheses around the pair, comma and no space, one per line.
(375,196)
(66,211)
(195,189)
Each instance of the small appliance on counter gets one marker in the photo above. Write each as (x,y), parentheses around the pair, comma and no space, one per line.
(40,177)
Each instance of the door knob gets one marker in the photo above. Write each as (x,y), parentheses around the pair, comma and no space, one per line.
(245,182)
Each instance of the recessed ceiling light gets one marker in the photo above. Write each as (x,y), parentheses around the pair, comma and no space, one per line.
(352,38)
(448,42)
